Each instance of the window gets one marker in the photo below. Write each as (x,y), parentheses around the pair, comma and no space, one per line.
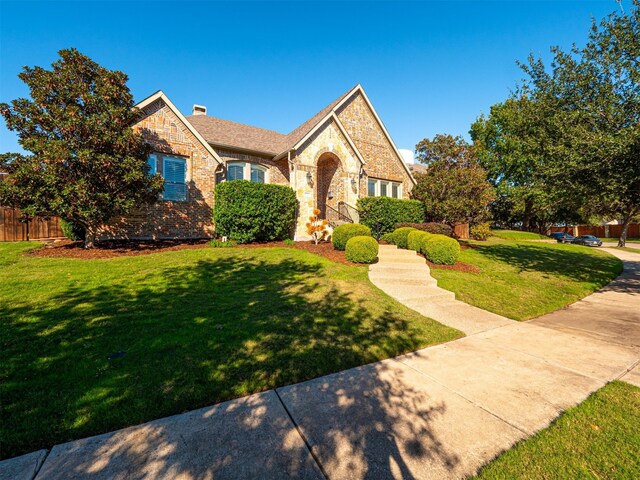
(257,173)
(371,188)
(235,171)
(246,171)
(152,162)
(174,171)
(384,188)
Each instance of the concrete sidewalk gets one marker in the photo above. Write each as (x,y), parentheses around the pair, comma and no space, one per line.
(441,412)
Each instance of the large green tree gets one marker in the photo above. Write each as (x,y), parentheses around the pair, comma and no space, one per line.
(454,188)
(87,165)
(577,123)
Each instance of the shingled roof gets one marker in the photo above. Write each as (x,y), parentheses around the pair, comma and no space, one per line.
(225,133)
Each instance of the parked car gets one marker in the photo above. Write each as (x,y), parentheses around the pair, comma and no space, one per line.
(588,240)
(562,237)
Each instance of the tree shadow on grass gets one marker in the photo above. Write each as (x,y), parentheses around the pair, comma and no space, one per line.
(98,359)
(569,261)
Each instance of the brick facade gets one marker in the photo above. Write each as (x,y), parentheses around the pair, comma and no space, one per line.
(166,219)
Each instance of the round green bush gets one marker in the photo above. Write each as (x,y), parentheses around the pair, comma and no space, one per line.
(342,233)
(415,239)
(71,230)
(400,236)
(441,249)
(481,231)
(361,249)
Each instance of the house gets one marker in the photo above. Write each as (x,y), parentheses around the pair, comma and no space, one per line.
(342,153)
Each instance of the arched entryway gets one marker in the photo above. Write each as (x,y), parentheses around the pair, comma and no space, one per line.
(329,188)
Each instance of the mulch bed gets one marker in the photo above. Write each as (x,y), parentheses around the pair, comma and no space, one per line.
(324,249)
(131,248)
(113,249)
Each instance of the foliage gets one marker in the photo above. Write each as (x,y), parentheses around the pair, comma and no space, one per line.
(317,227)
(288,242)
(87,164)
(361,249)
(441,249)
(342,234)
(233,322)
(388,237)
(71,230)
(400,236)
(454,189)
(598,438)
(254,212)
(480,231)
(218,243)
(416,238)
(431,227)
(543,277)
(571,132)
(382,214)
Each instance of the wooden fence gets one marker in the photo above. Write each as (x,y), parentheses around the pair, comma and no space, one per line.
(603,231)
(13,230)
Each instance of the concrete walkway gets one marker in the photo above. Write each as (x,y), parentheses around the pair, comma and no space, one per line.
(441,412)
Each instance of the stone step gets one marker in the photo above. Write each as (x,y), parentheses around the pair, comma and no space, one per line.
(401,259)
(387,247)
(383,281)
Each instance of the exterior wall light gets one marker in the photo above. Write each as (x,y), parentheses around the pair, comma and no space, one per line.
(309,178)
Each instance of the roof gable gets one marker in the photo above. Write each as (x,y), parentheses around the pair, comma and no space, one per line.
(159,95)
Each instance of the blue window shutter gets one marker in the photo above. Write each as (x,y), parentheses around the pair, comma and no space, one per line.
(152,162)
(175,173)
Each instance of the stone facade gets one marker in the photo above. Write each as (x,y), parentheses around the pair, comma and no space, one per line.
(326,147)
(167,219)
(382,162)
(338,174)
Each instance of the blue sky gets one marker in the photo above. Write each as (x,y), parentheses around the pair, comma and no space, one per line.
(428,67)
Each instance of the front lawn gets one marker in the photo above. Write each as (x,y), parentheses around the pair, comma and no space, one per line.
(518,235)
(89,346)
(599,438)
(523,280)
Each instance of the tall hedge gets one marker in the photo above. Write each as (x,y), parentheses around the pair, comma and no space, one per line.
(254,212)
(381,214)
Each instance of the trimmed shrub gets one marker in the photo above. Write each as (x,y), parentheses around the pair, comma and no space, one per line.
(441,249)
(361,249)
(400,236)
(381,214)
(254,212)
(415,239)
(342,233)
(480,231)
(431,227)
(388,237)
(71,230)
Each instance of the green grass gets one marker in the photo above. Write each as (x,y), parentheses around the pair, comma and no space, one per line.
(522,280)
(615,240)
(597,439)
(628,249)
(517,235)
(197,327)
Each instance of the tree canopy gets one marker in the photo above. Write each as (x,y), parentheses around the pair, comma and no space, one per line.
(568,140)
(454,188)
(87,165)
